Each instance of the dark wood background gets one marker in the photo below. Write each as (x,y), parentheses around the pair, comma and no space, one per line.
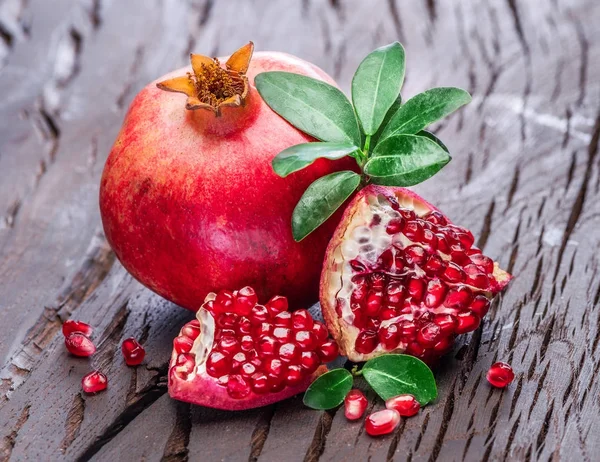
(525,178)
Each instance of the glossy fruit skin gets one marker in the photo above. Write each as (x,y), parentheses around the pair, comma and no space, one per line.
(94,382)
(355,404)
(70,326)
(500,375)
(80,345)
(406,405)
(133,352)
(190,203)
(382,422)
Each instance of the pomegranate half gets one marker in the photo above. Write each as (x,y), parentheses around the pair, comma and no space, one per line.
(188,199)
(399,277)
(239,354)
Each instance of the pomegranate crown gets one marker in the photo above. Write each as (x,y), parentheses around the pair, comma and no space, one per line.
(210,85)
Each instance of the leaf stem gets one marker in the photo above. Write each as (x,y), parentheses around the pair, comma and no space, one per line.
(355,372)
(366,146)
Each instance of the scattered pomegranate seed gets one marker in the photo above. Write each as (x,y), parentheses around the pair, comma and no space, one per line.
(134,353)
(355,404)
(79,345)
(382,422)
(500,375)
(406,405)
(71,326)
(94,382)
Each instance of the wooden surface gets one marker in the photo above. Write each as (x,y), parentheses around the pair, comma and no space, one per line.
(525,178)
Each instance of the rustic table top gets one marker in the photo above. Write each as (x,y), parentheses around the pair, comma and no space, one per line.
(525,178)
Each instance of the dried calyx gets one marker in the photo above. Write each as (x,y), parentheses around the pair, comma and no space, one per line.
(212,86)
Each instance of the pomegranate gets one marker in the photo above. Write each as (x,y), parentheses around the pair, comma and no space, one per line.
(398,276)
(406,405)
(500,375)
(382,422)
(71,326)
(94,382)
(188,199)
(239,354)
(355,405)
(80,345)
(133,352)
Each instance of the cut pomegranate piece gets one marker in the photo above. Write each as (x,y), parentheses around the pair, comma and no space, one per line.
(79,345)
(71,326)
(355,404)
(400,277)
(94,382)
(382,422)
(500,375)
(406,405)
(133,352)
(238,354)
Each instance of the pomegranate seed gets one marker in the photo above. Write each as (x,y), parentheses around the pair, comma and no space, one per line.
(259,314)
(320,332)
(277,305)
(395,226)
(389,336)
(267,346)
(94,382)
(274,368)
(446,322)
(429,335)
(357,266)
(305,339)
(479,280)
(467,322)
(408,330)
(309,361)
(406,405)
(458,255)
(328,351)
(416,288)
(378,281)
(302,320)
(276,385)
(238,387)
(181,344)
(224,302)
(185,365)
(480,305)
(436,218)
(293,375)
(70,326)
(227,320)
(500,375)
(407,214)
(283,319)
(459,298)
(260,383)
(237,361)
(355,404)
(191,330)
(453,273)
(415,255)
(228,345)
(79,345)
(247,369)
(245,301)
(366,342)
(382,422)
(436,291)
(465,237)
(434,265)
(444,345)
(395,293)
(443,245)
(264,328)
(289,352)
(373,303)
(388,313)
(413,231)
(283,334)
(415,349)
(218,364)
(246,343)
(485,263)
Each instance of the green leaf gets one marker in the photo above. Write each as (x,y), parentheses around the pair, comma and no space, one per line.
(433,138)
(329,390)
(393,375)
(405,160)
(424,109)
(376,85)
(300,156)
(320,200)
(390,113)
(313,106)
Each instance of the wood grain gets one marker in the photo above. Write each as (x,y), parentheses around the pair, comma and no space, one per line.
(524,177)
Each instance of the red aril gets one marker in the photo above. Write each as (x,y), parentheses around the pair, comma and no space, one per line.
(500,375)
(94,382)
(70,326)
(398,276)
(133,352)
(406,405)
(382,422)
(355,404)
(188,199)
(80,345)
(230,366)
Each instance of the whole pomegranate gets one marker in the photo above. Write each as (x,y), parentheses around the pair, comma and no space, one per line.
(399,277)
(239,354)
(188,199)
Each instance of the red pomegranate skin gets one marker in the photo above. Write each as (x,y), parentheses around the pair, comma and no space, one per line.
(190,203)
